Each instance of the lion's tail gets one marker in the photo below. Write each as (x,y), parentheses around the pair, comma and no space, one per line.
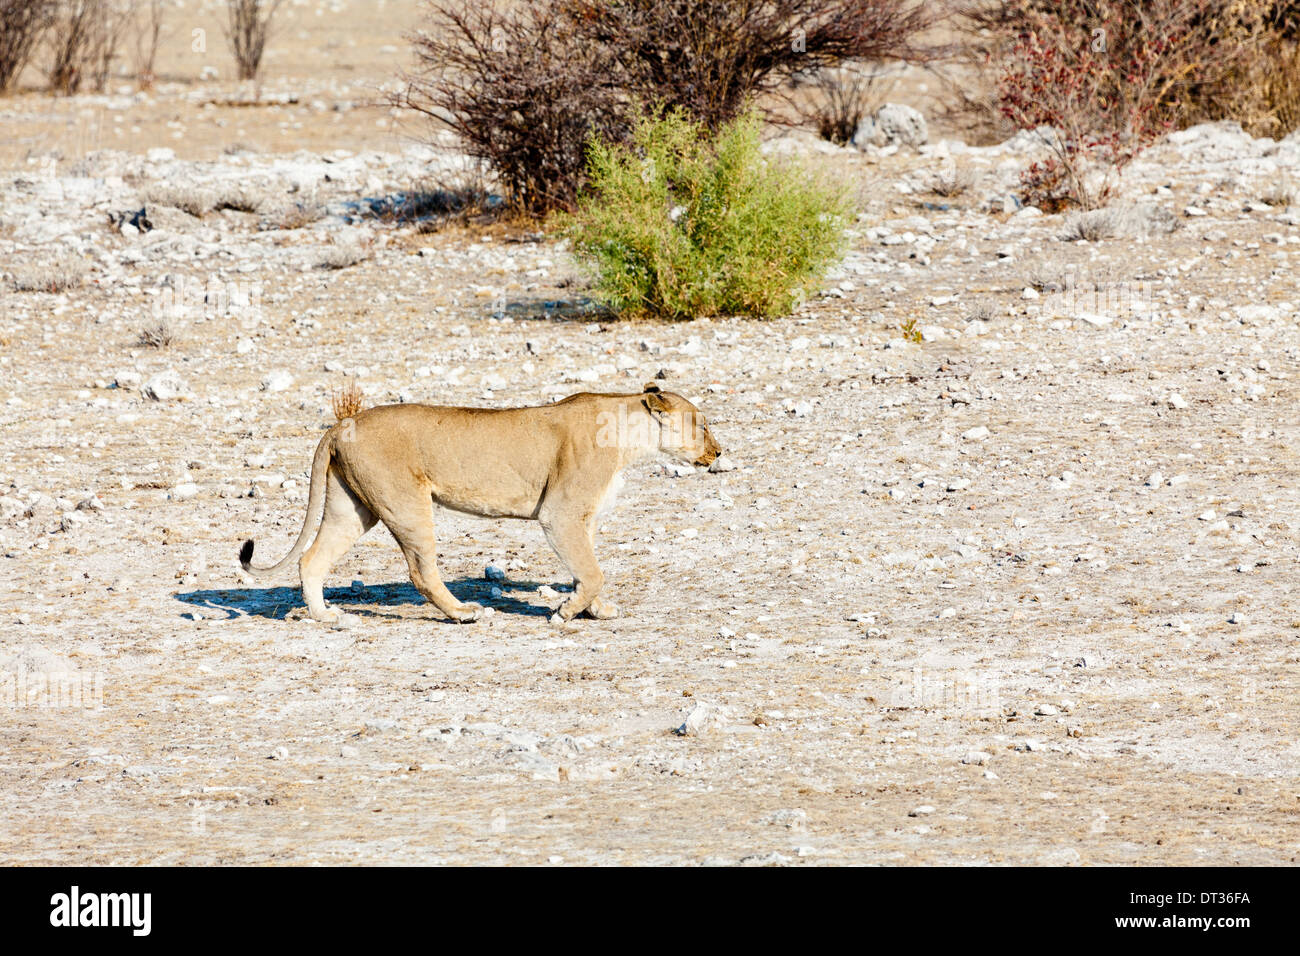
(315,509)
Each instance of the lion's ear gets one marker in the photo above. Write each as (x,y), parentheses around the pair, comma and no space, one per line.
(656,404)
(651,387)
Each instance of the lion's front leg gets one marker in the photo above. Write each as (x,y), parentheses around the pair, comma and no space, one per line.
(572,541)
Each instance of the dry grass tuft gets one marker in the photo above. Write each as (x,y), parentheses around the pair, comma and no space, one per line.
(1281,192)
(342,256)
(297,216)
(196,202)
(950,180)
(240,199)
(156,336)
(1093,225)
(57,276)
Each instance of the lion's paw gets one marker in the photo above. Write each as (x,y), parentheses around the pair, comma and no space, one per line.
(466,613)
(602,610)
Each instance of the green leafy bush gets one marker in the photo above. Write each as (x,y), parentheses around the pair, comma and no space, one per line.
(680,224)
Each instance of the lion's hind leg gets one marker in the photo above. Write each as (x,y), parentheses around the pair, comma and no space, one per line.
(345,520)
(412,526)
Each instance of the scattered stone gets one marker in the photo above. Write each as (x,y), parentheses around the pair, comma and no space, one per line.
(165,386)
(702,719)
(793,819)
(277,381)
(892,125)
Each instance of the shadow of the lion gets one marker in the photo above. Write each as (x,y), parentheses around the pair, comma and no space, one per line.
(278,602)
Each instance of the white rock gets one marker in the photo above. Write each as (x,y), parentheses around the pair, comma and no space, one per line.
(165,386)
(277,381)
(922,811)
(722,463)
(702,718)
(976,758)
(1177,401)
(892,125)
(978,433)
(493,573)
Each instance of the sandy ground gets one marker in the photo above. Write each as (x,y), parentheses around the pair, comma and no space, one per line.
(1019,592)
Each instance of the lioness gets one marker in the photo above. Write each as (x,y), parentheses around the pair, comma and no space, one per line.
(558,464)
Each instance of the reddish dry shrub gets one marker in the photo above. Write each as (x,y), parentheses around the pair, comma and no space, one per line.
(1221,60)
(1109,77)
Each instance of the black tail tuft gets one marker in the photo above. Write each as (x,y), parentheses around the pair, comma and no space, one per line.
(246,553)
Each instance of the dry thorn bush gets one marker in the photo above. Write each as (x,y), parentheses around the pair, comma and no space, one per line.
(85,39)
(148,32)
(841,97)
(526,86)
(22,24)
(246,28)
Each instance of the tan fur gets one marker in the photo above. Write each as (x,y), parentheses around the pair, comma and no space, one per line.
(556,464)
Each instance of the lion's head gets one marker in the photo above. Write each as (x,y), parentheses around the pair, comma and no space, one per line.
(683,432)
